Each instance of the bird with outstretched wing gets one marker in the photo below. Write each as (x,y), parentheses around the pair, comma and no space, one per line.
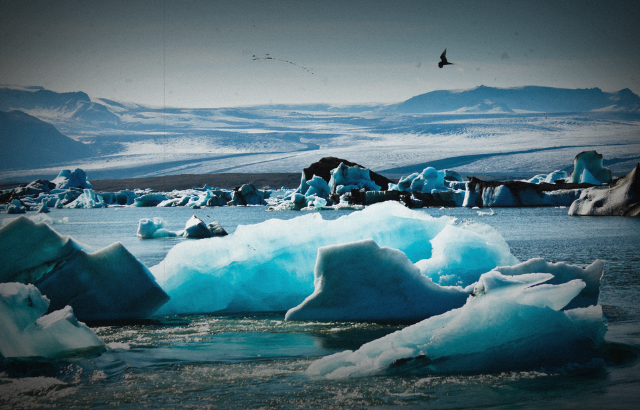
(443,59)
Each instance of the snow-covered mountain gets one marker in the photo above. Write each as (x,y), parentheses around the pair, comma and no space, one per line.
(485,131)
(65,110)
(522,99)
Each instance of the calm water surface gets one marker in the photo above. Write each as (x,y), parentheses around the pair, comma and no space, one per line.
(258,360)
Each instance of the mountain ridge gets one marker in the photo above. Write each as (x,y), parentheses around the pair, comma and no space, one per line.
(482,99)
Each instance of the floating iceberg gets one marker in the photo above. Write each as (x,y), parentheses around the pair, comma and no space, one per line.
(88,199)
(194,228)
(548,178)
(149,200)
(16,207)
(153,228)
(519,193)
(428,180)
(247,194)
(621,198)
(26,333)
(123,197)
(344,178)
(105,285)
(72,179)
(588,168)
(509,323)
(361,281)
(269,266)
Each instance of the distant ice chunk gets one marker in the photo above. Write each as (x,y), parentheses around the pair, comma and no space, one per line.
(195,228)
(516,194)
(510,323)
(16,207)
(318,187)
(88,199)
(43,208)
(621,198)
(148,200)
(247,194)
(270,266)
(426,181)
(555,176)
(153,228)
(588,168)
(72,179)
(26,333)
(123,197)
(362,281)
(536,179)
(345,178)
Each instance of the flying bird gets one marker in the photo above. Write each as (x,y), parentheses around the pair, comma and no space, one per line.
(268,57)
(443,59)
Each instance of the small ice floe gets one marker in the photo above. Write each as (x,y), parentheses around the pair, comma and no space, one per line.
(27,333)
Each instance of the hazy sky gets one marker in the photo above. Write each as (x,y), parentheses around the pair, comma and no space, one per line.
(201,53)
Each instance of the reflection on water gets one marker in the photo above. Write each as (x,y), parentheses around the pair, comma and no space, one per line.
(258,360)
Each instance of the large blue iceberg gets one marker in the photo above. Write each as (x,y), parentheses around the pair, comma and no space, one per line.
(269,266)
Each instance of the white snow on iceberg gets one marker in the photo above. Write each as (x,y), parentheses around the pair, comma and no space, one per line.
(269,266)
(508,324)
(26,333)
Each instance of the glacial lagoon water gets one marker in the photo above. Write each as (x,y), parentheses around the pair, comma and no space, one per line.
(258,360)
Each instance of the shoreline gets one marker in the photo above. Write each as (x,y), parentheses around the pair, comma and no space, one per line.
(187,181)
(224,180)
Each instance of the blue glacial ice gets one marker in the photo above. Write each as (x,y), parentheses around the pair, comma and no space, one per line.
(149,228)
(88,199)
(460,256)
(345,178)
(508,323)
(269,266)
(588,168)
(105,285)
(72,179)
(27,333)
(362,281)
